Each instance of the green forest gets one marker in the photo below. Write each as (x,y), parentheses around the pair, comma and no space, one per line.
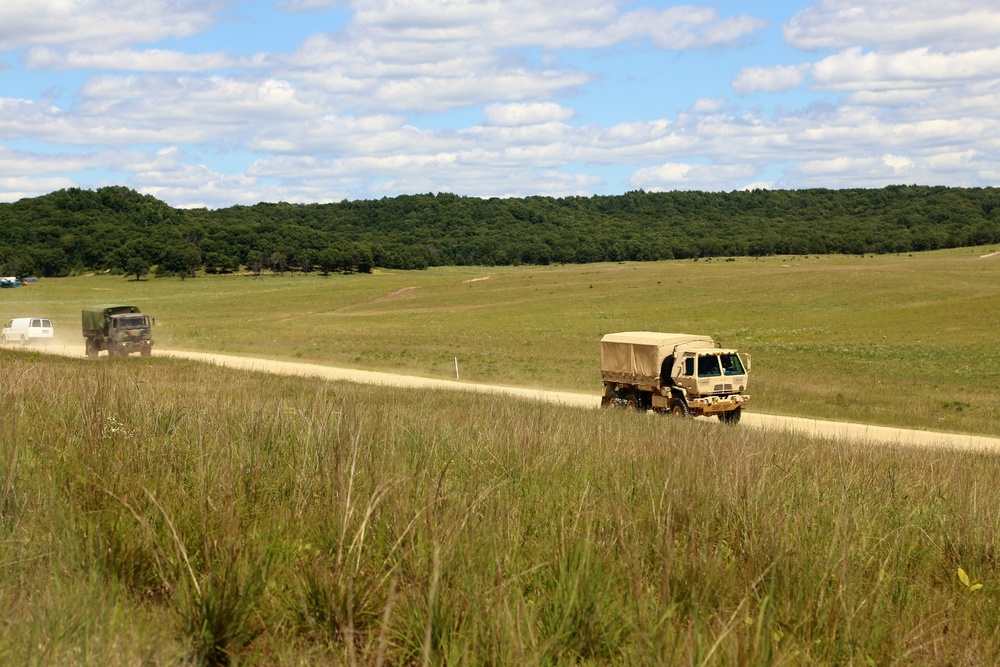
(118,229)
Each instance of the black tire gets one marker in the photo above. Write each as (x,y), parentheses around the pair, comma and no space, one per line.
(633,403)
(617,400)
(732,417)
(678,407)
(146,351)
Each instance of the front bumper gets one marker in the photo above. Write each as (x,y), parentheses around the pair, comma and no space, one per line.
(713,405)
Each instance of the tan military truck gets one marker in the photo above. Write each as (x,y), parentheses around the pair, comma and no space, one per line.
(682,374)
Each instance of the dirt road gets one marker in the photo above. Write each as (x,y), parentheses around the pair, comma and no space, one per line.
(813,427)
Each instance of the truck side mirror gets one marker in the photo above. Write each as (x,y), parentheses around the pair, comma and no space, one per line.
(749,364)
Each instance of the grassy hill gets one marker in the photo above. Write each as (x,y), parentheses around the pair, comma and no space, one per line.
(900,340)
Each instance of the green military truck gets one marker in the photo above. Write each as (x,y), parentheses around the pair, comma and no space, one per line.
(121,330)
(681,374)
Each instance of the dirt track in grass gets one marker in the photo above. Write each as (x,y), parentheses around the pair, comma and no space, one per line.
(753,420)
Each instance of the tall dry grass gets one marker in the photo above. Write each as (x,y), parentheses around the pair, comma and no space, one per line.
(161,512)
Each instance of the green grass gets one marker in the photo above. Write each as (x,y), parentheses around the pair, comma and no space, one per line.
(907,340)
(162,512)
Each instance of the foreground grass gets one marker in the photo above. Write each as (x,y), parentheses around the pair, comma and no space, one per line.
(895,340)
(161,512)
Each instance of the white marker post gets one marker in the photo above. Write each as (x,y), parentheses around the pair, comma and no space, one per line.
(456,369)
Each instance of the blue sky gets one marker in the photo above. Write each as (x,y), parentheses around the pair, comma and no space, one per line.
(222,102)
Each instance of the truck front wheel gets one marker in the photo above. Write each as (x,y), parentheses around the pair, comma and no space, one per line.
(678,407)
(731,417)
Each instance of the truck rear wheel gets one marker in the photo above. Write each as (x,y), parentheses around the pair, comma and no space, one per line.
(731,417)
(678,407)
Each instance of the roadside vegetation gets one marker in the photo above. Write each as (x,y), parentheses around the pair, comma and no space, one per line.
(157,511)
(903,340)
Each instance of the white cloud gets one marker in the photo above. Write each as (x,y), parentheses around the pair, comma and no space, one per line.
(526,114)
(101,25)
(683,176)
(896,24)
(768,79)
(13,188)
(758,185)
(352,113)
(900,164)
(708,105)
(553,25)
(435,55)
(127,60)
(853,69)
(16,163)
(683,27)
(308,5)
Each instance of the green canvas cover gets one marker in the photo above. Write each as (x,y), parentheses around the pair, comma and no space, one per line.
(95,317)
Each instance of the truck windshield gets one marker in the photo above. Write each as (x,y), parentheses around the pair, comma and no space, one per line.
(132,322)
(708,366)
(731,364)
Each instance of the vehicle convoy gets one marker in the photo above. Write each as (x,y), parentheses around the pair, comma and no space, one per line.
(121,330)
(682,374)
(26,330)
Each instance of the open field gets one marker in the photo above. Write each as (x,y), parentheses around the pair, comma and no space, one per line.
(154,509)
(904,340)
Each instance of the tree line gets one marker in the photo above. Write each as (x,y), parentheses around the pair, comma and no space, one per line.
(118,229)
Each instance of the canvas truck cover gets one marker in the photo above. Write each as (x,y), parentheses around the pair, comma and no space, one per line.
(635,357)
(94,316)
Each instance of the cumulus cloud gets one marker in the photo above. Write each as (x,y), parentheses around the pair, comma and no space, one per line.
(29,174)
(526,114)
(13,188)
(308,5)
(149,60)
(101,25)
(895,24)
(354,113)
(854,69)
(434,55)
(554,24)
(685,176)
(768,79)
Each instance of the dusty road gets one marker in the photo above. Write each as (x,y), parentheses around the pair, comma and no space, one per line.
(814,427)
